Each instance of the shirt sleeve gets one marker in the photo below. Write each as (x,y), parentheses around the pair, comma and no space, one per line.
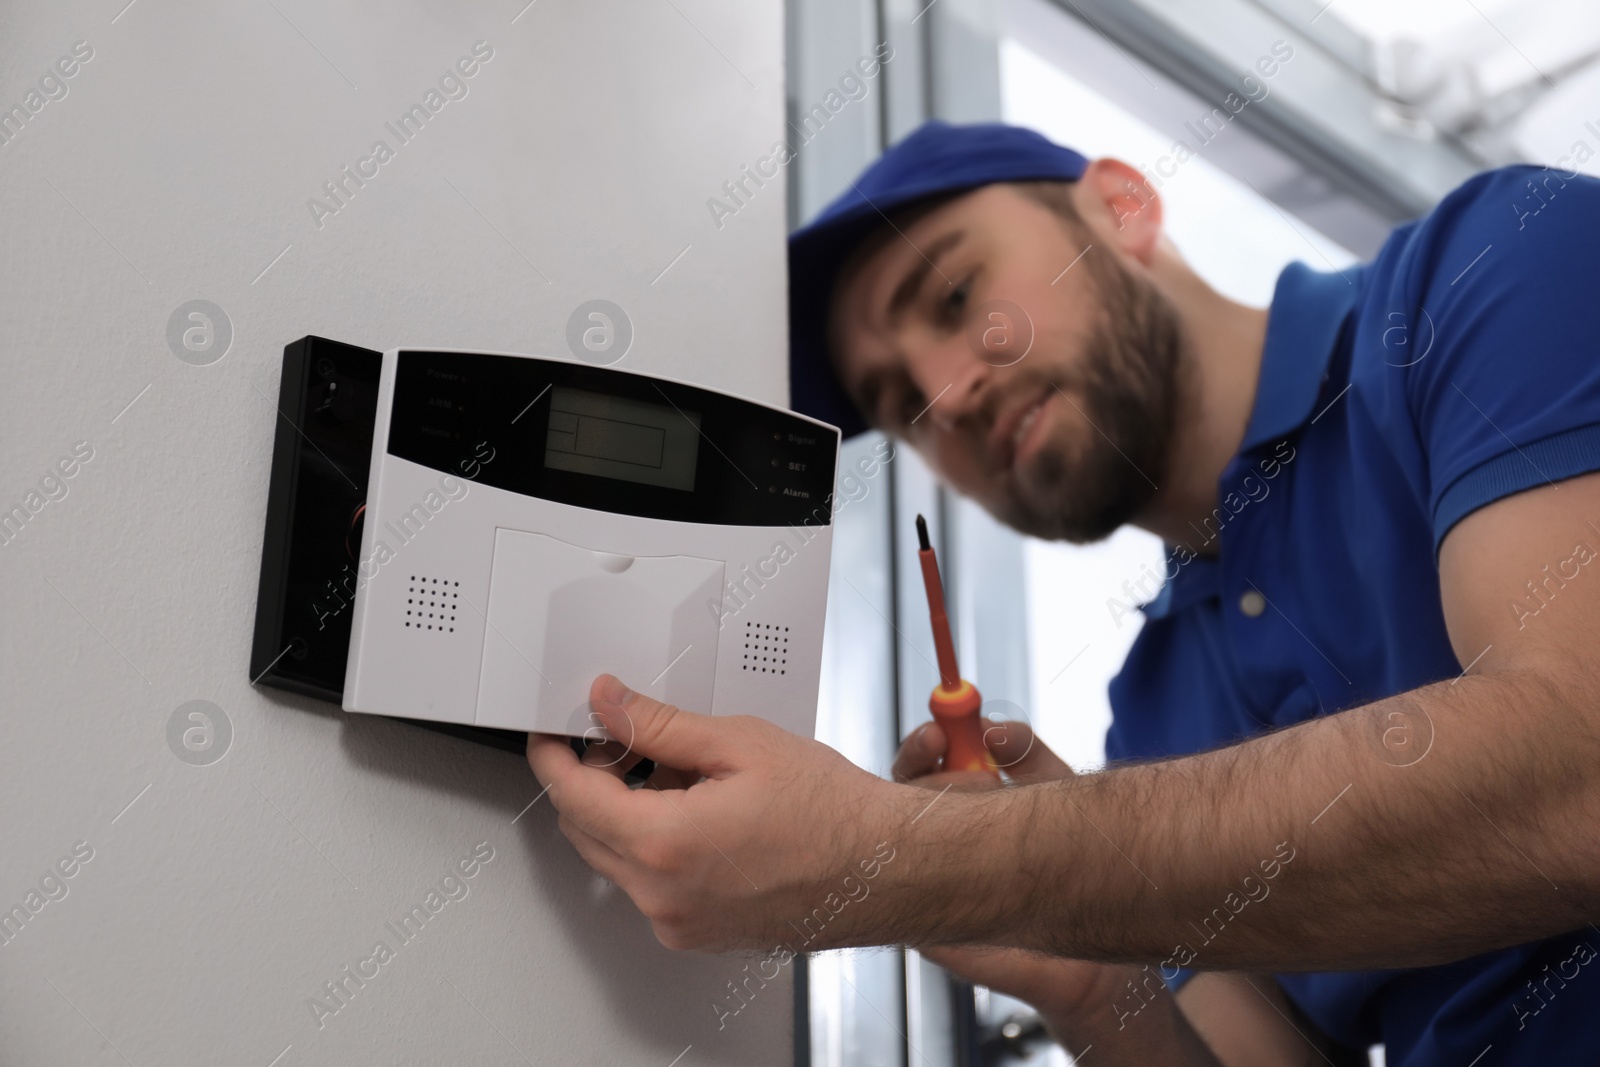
(1179,979)
(1504,387)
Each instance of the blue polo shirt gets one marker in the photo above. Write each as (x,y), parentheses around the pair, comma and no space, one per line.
(1461,366)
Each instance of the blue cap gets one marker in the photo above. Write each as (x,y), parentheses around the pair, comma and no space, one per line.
(937,158)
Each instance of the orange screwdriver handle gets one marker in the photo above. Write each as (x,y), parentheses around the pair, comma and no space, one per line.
(956,712)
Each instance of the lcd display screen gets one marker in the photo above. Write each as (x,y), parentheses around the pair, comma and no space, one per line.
(611,437)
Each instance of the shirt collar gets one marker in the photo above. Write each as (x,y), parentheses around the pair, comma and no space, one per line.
(1196,580)
(1308,310)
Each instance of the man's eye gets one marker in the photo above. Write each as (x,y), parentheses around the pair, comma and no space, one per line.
(955,301)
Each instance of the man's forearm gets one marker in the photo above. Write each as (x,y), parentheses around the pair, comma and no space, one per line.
(1478,835)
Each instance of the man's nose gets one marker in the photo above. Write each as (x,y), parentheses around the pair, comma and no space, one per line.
(951,376)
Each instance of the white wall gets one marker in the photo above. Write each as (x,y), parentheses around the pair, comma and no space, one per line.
(178,166)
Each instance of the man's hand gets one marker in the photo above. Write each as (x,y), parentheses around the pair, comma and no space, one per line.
(745,829)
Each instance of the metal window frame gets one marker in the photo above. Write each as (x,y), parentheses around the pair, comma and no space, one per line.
(945,65)
(1324,112)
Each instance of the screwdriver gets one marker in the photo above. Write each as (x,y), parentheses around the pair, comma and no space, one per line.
(955,701)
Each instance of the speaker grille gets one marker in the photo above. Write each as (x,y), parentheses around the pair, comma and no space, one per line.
(431,604)
(766,648)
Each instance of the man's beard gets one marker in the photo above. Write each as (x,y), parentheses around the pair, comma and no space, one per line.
(1129,386)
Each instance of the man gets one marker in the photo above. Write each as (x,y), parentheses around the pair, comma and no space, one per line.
(1360,728)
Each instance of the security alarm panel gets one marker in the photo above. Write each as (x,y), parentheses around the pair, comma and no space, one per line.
(531,523)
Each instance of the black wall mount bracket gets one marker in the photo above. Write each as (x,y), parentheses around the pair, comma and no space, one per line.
(321,453)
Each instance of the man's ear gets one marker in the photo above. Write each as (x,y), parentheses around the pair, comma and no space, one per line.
(1122,206)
